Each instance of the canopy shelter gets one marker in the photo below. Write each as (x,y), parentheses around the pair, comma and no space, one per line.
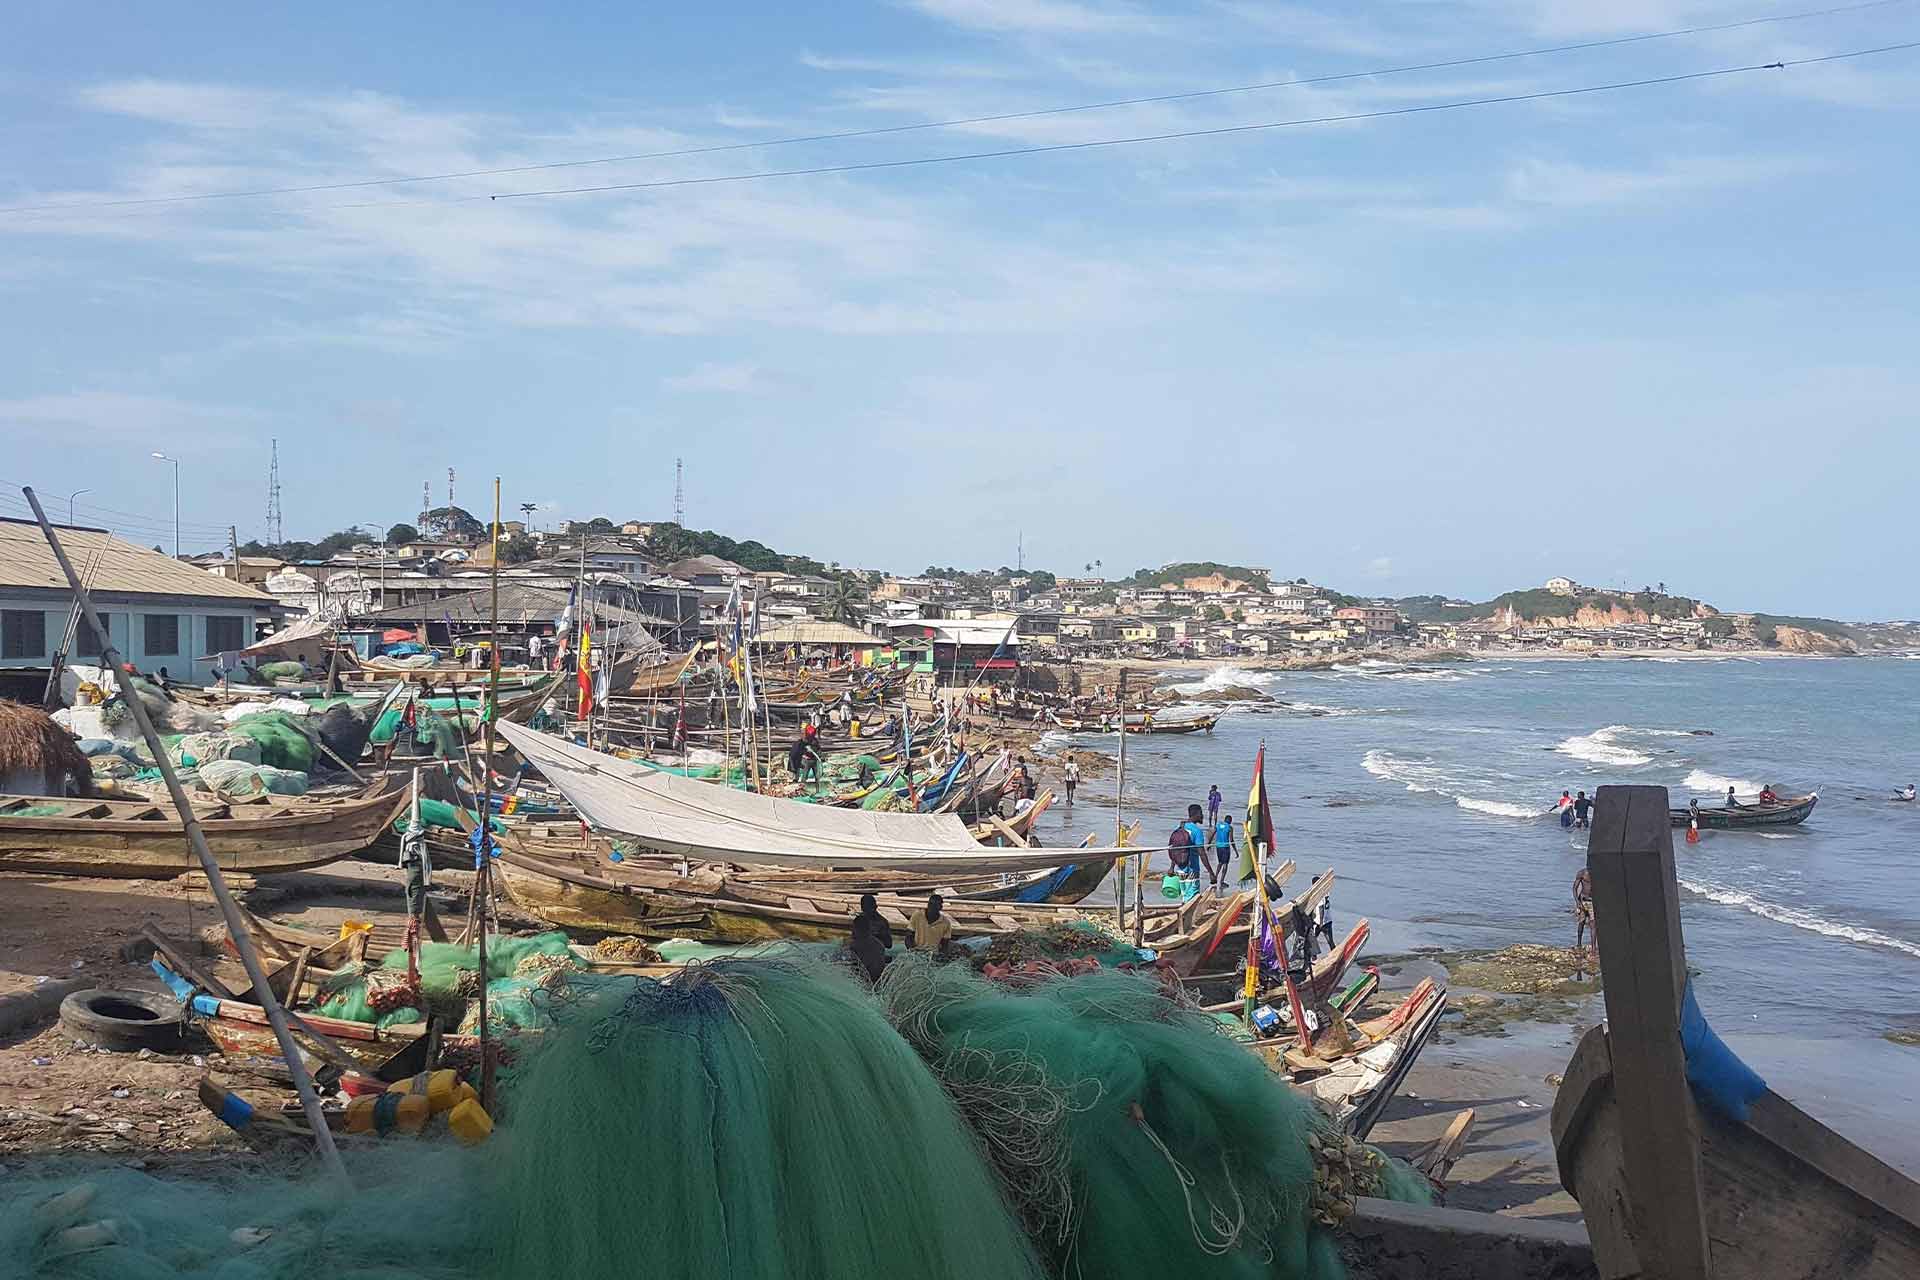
(712,823)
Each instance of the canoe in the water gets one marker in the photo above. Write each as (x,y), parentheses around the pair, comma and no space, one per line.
(1790,812)
(145,840)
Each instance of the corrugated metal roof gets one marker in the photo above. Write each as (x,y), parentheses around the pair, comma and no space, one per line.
(122,568)
(817,633)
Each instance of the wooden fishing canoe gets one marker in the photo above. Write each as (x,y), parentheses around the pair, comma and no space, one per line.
(582,893)
(139,840)
(1790,812)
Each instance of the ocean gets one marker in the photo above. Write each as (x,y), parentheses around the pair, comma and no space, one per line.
(1425,787)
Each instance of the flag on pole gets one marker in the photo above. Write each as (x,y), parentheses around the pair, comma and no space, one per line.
(1257,831)
(585,672)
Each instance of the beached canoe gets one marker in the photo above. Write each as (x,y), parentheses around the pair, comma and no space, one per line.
(144,840)
(1790,812)
(579,892)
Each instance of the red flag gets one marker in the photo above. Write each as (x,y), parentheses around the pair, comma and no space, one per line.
(586,672)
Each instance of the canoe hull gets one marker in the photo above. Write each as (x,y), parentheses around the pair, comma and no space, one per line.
(289,837)
(1790,814)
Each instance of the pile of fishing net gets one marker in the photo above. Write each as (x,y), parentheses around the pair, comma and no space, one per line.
(1132,1138)
(518,971)
(284,741)
(766,1118)
(1073,940)
(237,780)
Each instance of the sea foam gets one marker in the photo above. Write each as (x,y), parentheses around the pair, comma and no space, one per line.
(1430,778)
(1799,918)
(1603,747)
(1713,784)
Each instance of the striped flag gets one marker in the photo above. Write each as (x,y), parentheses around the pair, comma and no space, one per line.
(1257,830)
(584,674)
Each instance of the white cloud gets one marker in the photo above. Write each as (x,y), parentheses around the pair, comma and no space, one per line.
(1565,183)
(94,417)
(713,375)
(1380,567)
(1043,17)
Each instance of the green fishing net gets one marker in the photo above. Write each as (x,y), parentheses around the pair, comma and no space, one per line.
(1133,1139)
(283,741)
(449,980)
(759,1119)
(769,1118)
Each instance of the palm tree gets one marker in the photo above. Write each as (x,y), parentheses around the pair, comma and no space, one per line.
(848,601)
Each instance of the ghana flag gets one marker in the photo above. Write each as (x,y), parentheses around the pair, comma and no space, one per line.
(1257,830)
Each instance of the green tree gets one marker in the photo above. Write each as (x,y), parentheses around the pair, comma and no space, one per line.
(1212,613)
(402,533)
(518,549)
(847,602)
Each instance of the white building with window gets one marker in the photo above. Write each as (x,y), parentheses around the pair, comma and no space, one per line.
(161,612)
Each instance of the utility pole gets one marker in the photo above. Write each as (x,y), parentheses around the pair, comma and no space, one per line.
(1120,805)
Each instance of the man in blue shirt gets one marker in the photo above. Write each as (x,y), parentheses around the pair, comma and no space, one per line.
(1200,840)
(1222,847)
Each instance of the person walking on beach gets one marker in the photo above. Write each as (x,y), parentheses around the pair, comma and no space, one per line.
(1072,780)
(1213,804)
(1582,807)
(1222,848)
(1583,910)
(1199,841)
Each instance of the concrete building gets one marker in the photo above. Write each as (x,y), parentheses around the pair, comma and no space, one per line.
(1562,586)
(160,612)
(1379,620)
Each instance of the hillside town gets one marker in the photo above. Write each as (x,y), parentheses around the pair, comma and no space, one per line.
(430,578)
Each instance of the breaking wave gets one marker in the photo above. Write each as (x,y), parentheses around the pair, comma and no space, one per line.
(1602,746)
(1224,678)
(1799,918)
(1425,776)
(1713,784)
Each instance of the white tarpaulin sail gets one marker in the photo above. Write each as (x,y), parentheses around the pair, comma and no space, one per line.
(714,823)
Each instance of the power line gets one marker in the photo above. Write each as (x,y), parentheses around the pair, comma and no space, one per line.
(960,122)
(1218,131)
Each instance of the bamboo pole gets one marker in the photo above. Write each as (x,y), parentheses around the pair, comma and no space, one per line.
(236,926)
(1119,808)
(483,872)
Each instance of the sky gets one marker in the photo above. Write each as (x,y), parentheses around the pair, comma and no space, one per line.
(1659,333)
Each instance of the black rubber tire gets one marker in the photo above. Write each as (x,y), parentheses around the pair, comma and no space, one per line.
(124,1021)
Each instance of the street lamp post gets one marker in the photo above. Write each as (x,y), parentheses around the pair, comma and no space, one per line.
(70,497)
(176,505)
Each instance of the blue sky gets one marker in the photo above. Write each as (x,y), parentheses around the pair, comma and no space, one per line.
(1660,334)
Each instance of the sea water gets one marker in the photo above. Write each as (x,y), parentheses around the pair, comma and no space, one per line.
(1427,788)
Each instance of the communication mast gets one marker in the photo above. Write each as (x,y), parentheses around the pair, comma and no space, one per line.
(426,502)
(449,487)
(273,496)
(679,492)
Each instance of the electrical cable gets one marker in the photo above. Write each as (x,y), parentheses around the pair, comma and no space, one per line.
(1217,131)
(960,122)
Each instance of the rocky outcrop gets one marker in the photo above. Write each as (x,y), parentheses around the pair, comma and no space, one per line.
(1594,615)
(1801,640)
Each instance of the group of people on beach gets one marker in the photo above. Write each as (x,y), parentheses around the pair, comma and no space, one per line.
(1203,844)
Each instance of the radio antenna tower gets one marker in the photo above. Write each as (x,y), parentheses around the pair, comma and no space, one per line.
(426,502)
(449,486)
(273,496)
(679,493)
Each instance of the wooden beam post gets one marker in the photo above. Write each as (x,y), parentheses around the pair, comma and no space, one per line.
(1643,957)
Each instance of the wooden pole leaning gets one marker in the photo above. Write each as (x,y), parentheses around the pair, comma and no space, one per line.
(1636,903)
(197,839)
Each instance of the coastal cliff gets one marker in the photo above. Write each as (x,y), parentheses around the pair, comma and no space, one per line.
(1801,640)
(1614,612)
